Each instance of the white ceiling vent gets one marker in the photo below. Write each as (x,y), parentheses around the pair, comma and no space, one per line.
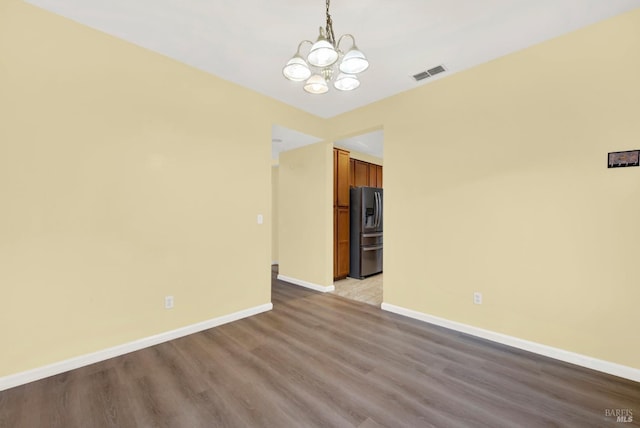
(429,73)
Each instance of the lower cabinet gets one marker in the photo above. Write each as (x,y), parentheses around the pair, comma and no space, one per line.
(335,243)
(341,242)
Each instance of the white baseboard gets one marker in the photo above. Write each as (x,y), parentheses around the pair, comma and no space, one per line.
(306,284)
(22,378)
(537,348)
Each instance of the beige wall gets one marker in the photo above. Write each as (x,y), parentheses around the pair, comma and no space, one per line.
(274,213)
(305,214)
(503,188)
(111,159)
(124,177)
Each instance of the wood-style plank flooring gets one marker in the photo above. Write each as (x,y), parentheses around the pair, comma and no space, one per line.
(320,360)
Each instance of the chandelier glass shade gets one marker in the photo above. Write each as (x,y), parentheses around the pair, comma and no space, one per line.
(322,53)
(297,69)
(325,60)
(346,82)
(316,85)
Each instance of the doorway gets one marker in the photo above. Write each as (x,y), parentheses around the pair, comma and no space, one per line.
(366,169)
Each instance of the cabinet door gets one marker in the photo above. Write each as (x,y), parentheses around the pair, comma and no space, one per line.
(343,242)
(335,242)
(361,173)
(373,182)
(352,172)
(379,176)
(343,178)
(335,177)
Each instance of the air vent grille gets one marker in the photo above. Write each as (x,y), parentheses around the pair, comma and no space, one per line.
(429,73)
(436,70)
(420,76)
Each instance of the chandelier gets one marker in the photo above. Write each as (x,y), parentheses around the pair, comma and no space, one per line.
(319,68)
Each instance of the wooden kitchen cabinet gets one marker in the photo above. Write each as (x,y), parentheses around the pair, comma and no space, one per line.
(341,179)
(342,244)
(352,172)
(373,174)
(335,178)
(365,174)
(361,173)
(335,242)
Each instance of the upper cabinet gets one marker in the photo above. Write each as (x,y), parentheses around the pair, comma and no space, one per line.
(361,171)
(379,176)
(342,178)
(373,174)
(352,172)
(365,174)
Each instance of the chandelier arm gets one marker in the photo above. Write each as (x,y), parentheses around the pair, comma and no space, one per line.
(353,41)
(300,45)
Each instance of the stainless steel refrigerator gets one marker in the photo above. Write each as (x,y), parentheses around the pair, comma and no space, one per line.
(366,212)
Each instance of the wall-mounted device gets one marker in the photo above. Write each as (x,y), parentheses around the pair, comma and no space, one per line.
(623,159)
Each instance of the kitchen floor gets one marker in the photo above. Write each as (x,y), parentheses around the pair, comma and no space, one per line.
(368,290)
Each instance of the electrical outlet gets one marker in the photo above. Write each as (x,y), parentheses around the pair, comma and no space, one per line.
(260,219)
(168,302)
(477,298)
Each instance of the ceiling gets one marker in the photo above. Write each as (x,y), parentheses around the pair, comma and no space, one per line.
(248,42)
(283,139)
(369,143)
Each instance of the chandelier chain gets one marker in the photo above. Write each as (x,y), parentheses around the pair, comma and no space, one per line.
(329,29)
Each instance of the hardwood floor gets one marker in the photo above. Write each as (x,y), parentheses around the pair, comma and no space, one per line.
(320,360)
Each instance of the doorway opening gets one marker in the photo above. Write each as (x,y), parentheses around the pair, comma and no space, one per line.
(363,280)
(364,169)
(283,139)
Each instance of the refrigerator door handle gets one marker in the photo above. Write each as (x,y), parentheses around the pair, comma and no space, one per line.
(372,235)
(375,201)
(376,248)
(379,209)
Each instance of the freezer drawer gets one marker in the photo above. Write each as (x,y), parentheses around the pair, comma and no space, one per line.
(370,239)
(370,260)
